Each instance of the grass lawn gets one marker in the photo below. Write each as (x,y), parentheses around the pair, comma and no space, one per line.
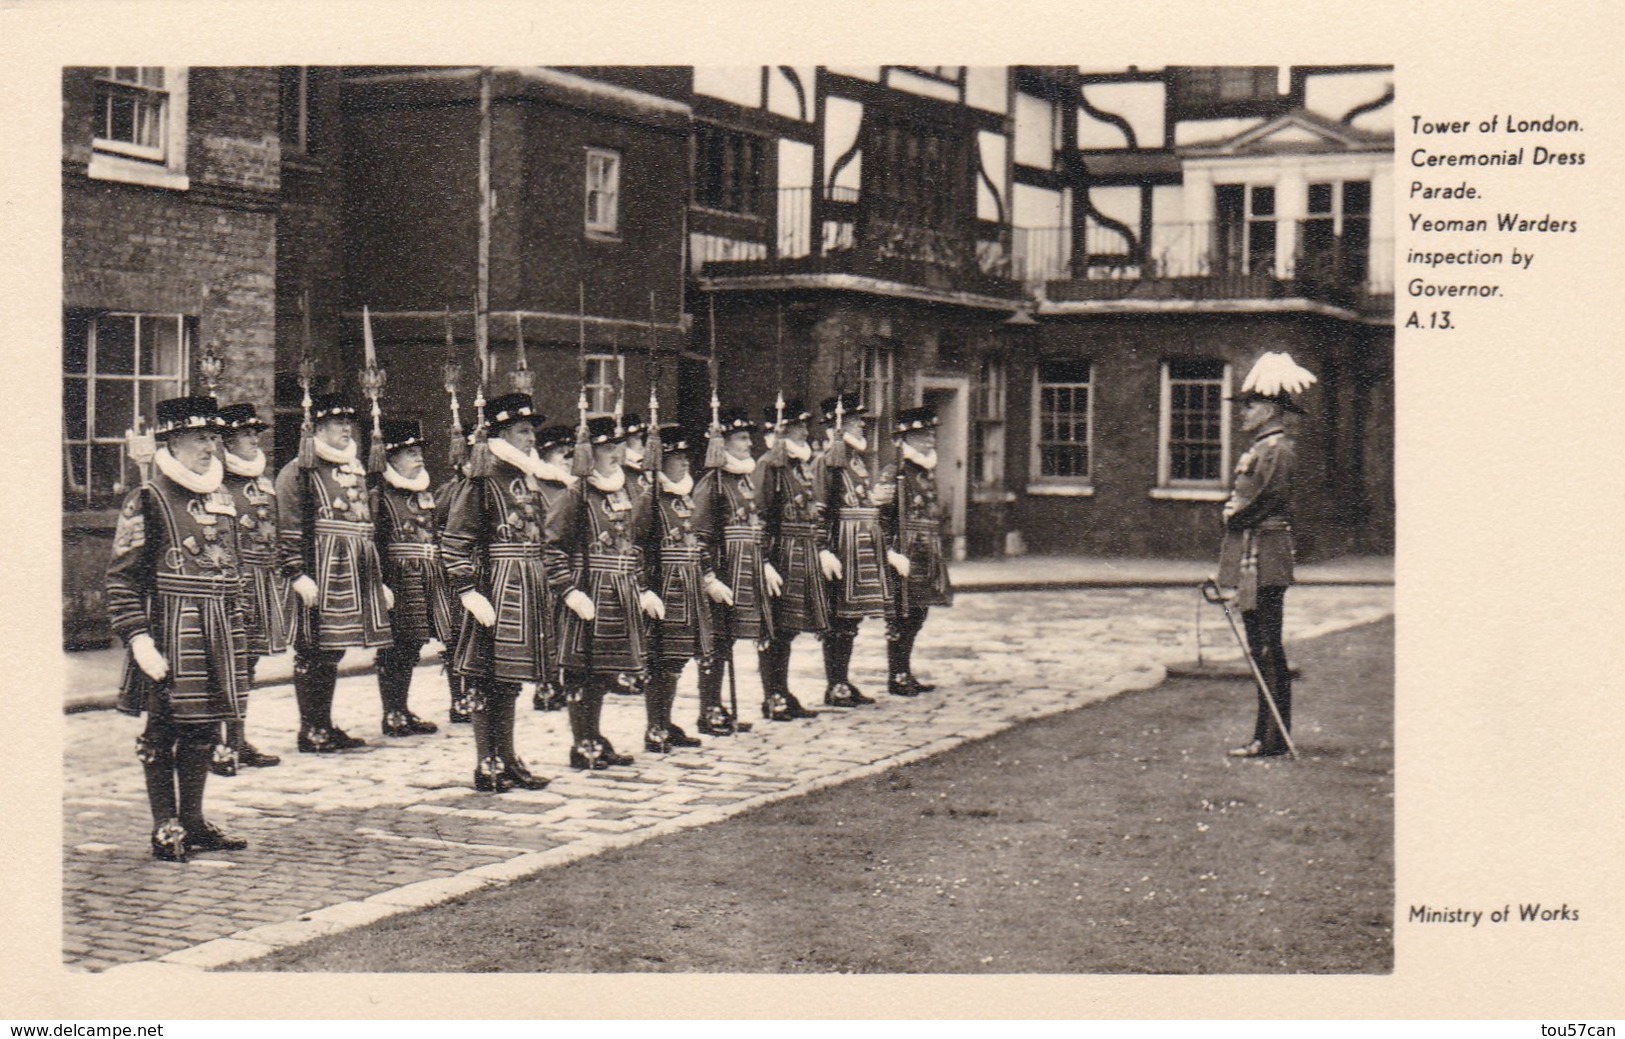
(1114,838)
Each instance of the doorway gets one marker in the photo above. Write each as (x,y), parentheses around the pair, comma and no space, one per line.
(947,395)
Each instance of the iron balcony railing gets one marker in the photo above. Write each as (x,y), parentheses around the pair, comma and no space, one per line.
(1310,259)
(914,240)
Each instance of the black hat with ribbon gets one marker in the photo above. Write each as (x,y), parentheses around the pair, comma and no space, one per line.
(183,414)
(504,411)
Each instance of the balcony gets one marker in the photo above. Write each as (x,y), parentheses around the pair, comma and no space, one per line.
(903,240)
(1271,260)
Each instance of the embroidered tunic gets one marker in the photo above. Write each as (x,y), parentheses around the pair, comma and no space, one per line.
(324,524)
(593,544)
(737,529)
(1258,548)
(852,519)
(174,575)
(678,558)
(793,519)
(410,548)
(493,545)
(267,608)
(918,536)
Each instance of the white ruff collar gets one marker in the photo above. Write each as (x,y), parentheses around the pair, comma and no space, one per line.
(634,458)
(526,462)
(546,470)
(856,443)
(328,453)
(197,483)
(392,476)
(253,468)
(682,487)
(738,466)
(800,452)
(926,462)
(608,484)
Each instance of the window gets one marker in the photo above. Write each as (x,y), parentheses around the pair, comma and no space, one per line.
(139,125)
(1063,396)
(296,114)
(1335,243)
(1195,429)
(603,191)
(605,374)
(987,451)
(1245,229)
(729,170)
(875,380)
(1198,90)
(116,367)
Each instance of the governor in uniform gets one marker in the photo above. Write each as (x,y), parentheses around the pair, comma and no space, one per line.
(408,543)
(680,565)
(173,588)
(594,552)
(912,517)
(493,553)
(729,492)
(797,546)
(1256,559)
(859,583)
(265,594)
(328,552)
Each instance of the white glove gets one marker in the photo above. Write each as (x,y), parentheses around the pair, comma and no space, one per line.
(389,597)
(775,583)
(830,563)
(652,605)
(718,591)
(306,589)
(147,657)
(898,561)
(479,607)
(580,604)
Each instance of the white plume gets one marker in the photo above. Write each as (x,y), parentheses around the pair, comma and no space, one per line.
(1276,373)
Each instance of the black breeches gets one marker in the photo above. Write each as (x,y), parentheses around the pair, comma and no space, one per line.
(1263,624)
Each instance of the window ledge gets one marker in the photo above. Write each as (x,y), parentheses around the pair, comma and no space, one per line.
(1190,494)
(603,236)
(105,166)
(1062,490)
(987,495)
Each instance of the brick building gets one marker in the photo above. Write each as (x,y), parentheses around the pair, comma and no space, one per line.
(1074,265)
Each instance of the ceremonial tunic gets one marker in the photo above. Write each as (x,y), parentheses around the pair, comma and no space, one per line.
(852,519)
(732,497)
(493,545)
(553,492)
(341,557)
(174,575)
(918,536)
(266,603)
(593,541)
(679,558)
(792,517)
(1258,547)
(409,545)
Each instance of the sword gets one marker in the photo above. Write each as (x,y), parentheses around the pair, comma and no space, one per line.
(1211,592)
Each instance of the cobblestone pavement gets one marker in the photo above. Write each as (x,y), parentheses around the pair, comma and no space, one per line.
(339,841)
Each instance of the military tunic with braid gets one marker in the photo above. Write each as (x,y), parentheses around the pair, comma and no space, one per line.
(341,556)
(678,559)
(410,547)
(918,536)
(493,545)
(174,575)
(594,545)
(852,518)
(266,598)
(793,517)
(737,526)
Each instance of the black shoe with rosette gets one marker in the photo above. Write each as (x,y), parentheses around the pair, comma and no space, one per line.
(209,837)
(317,741)
(343,740)
(777,709)
(657,740)
(250,756)
(523,778)
(491,776)
(169,841)
(841,694)
(225,761)
(678,738)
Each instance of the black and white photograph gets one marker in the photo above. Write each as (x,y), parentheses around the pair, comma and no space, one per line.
(788,519)
(647,514)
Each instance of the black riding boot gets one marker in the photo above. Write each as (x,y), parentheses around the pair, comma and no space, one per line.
(194,749)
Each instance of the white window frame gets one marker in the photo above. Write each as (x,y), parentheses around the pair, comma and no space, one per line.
(296,140)
(605,372)
(1168,488)
(877,369)
(1251,219)
(988,425)
(1038,482)
(97,383)
(160,166)
(601,187)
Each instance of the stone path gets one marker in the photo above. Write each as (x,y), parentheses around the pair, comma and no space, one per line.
(339,841)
